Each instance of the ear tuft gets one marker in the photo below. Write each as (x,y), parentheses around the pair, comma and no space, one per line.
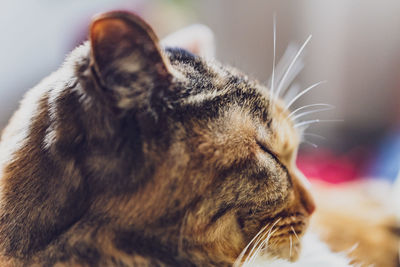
(127,59)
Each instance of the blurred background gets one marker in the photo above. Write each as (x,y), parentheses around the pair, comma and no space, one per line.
(355,47)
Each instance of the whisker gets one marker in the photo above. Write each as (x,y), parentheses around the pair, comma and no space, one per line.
(291,245)
(265,244)
(354,247)
(269,236)
(303,123)
(292,92)
(290,78)
(295,234)
(255,247)
(261,242)
(284,62)
(240,257)
(310,143)
(274,58)
(261,246)
(252,252)
(291,65)
(273,225)
(302,129)
(309,112)
(303,92)
(309,106)
(253,255)
(315,135)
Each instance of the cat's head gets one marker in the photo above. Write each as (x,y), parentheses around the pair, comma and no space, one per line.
(223,151)
(161,142)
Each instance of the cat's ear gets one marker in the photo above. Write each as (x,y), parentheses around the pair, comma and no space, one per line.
(197,38)
(126,60)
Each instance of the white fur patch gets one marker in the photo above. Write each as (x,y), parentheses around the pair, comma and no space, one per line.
(315,253)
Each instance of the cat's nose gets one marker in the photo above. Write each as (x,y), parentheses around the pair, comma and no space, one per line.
(304,192)
(308,202)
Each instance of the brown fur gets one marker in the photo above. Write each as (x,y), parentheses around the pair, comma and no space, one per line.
(136,156)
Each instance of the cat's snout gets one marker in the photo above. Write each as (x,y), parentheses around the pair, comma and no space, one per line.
(309,205)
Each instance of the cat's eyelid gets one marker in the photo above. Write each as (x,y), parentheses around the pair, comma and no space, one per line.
(265,148)
(261,136)
(275,156)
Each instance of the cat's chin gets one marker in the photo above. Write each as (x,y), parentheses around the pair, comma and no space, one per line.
(280,247)
(285,240)
(279,252)
(285,250)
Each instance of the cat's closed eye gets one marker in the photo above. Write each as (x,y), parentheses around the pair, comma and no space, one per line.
(264,147)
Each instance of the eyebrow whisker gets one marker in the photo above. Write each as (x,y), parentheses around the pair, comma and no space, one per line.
(309,106)
(303,123)
(315,135)
(310,112)
(291,65)
(303,92)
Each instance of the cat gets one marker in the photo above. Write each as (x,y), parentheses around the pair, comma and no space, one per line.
(136,155)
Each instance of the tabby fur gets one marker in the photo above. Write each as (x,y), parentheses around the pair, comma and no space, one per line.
(135,155)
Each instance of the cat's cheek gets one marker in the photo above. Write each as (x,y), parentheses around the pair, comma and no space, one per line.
(262,158)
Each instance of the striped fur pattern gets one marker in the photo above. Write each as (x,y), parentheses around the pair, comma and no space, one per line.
(133,155)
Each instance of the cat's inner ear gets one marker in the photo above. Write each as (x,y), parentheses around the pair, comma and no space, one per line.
(197,38)
(126,57)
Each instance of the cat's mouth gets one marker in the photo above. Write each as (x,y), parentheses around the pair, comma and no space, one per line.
(286,241)
(280,238)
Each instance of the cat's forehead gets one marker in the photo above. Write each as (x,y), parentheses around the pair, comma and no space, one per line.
(207,82)
(214,91)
